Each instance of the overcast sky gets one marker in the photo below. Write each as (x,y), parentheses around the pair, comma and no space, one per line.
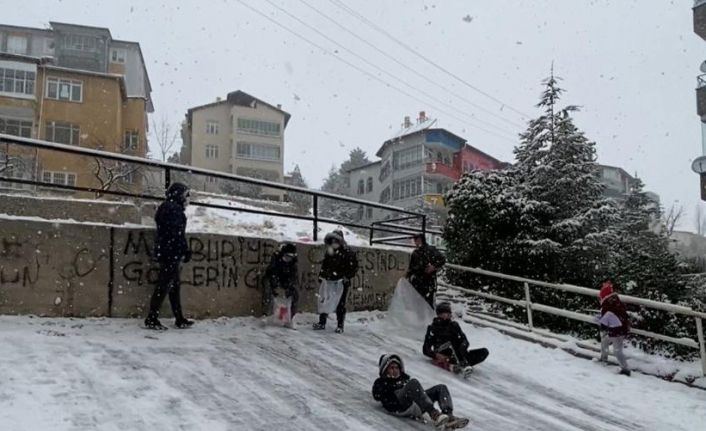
(631,65)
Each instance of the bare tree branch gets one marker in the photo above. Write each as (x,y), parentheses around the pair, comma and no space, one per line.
(166,137)
(672,217)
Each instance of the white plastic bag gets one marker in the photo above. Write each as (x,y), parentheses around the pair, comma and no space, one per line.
(330,293)
(281,310)
(408,308)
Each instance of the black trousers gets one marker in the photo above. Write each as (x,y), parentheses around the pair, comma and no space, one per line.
(340,309)
(427,290)
(168,284)
(463,357)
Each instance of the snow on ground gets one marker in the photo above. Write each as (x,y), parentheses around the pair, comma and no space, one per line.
(236,374)
(222,221)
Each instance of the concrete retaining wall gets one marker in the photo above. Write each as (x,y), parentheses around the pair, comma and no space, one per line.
(70,209)
(58,269)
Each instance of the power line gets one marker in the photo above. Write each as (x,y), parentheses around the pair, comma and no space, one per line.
(421,75)
(366,72)
(365,20)
(373,65)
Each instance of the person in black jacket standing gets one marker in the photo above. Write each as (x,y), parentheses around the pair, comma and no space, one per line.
(171,249)
(282,278)
(447,345)
(425,262)
(340,263)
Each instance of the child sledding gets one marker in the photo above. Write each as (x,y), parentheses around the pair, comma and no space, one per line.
(404,396)
(447,345)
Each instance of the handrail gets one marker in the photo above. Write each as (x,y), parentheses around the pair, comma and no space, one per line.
(36,143)
(530,306)
(674,308)
(168,168)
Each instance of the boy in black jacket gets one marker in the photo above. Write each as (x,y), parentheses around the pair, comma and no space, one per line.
(447,345)
(404,396)
(340,263)
(171,249)
(424,263)
(282,279)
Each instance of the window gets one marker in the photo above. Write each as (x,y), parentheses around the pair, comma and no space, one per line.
(369,212)
(117,55)
(407,188)
(16,127)
(63,133)
(132,140)
(407,158)
(385,195)
(63,178)
(361,187)
(79,42)
(211,151)
(253,151)
(17,44)
(212,127)
(258,127)
(17,81)
(384,171)
(369,187)
(64,89)
(211,180)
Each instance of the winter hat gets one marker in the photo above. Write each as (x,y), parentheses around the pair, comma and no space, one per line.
(386,360)
(606,290)
(177,192)
(289,248)
(443,307)
(336,235)
(420,236)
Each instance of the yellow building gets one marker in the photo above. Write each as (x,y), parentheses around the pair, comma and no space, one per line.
(73,85)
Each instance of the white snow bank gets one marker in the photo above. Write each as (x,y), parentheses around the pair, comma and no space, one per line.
(234,374)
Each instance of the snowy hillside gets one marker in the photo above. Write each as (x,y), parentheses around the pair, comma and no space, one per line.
(234,374)
(211,220)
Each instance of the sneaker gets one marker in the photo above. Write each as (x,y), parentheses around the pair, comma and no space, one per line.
(625,373)
(439,419)
(466,372)
(155,325)
(456,423)
(184,323)
(339,330)
(319,326)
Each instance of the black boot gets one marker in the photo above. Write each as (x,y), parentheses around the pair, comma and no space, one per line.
(152,322)
(184,323)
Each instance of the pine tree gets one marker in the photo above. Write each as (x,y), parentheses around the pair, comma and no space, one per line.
(338,182)
(301,202)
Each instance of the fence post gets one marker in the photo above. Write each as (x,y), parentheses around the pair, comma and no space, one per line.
(372,232)
(424,225)
(702,346)
(316,218)
(167,178)
(528,305)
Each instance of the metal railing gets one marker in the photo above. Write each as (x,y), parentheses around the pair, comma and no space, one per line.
(416,220)
(531,307)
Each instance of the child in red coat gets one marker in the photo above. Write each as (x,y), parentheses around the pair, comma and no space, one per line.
(615,324)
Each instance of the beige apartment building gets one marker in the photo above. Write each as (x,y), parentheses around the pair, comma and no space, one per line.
(74,85)
(242,135)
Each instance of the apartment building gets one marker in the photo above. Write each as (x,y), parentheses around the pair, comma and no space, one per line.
(240,134)
(74,85)
(417,166)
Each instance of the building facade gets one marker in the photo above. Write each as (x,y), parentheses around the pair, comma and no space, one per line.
(242,135)
(417,166)
(74,85)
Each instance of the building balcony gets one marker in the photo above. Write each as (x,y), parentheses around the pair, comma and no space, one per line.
(434,199)
(701,96)
(700,18)
(443,171)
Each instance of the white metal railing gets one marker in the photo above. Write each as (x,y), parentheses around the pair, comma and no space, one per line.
(531,307)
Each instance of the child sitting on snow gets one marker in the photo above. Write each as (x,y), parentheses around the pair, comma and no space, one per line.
(615,325)
(404,396)
(447,345)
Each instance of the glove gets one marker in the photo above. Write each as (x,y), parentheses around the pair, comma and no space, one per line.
(187,256)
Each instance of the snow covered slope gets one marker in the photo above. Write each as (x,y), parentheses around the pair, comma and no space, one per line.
(234,374)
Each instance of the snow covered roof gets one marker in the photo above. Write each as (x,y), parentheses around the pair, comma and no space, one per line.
(406,131)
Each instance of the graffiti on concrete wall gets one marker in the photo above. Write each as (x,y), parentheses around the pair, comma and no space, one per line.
(16,268)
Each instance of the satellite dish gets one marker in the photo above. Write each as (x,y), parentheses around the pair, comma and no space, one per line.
(703,67)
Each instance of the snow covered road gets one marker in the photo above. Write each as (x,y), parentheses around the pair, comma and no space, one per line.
(234,374)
